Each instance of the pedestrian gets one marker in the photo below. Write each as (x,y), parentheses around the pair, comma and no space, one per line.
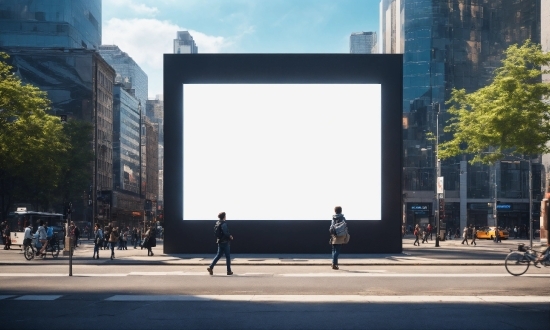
(98,240)
(223,239)
(113,238)
(107,236)
(424,234)
(150,240)
(465,235)
(515,232)
(430,231)
(7,237)
(474,235)
(138,239)
(497,235)
(339,235)
(416,235)
(76,236)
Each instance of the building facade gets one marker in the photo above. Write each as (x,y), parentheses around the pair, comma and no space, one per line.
(50,23)
(363,43)
(155,113)
(184,44)
(446,45)
(79,83)
(128,72)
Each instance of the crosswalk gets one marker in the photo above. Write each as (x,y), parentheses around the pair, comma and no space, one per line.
(369,273)
(301,298)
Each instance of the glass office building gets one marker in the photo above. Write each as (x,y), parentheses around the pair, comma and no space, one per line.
(446,45)
(128,72)
(184,43)
(363,43)
(50,23)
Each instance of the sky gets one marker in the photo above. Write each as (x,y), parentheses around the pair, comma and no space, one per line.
(145,29)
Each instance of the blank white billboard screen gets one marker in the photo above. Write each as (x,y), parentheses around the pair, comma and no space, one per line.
(281,151)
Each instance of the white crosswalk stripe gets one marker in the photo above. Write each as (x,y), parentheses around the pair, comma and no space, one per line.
(336,298)
(369,273)
(306,298)
(38,297)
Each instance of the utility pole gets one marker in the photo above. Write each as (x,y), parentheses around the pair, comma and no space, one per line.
(438,194)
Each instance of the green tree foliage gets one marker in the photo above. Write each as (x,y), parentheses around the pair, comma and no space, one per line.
(31,143)
(76,171)
(508,116)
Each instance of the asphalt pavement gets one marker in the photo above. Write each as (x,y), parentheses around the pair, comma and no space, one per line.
(450,252)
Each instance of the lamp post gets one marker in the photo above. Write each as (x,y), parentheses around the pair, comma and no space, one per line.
(435,107)
(530,205)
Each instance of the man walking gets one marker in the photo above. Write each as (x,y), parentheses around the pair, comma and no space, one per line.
(465,235)
(223,237)
(474,235)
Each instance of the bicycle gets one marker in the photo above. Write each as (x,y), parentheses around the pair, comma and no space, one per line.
(517,262)
(30,252)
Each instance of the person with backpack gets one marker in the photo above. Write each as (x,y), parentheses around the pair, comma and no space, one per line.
(98,240)
(223,237)
(339,235)
(113,238)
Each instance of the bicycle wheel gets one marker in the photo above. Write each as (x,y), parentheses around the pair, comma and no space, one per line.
(55,250)
(516,263)
(28,253)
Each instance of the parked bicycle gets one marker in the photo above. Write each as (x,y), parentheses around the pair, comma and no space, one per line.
(30,250)
(517,262)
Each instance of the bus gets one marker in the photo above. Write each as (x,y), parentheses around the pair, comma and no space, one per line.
(21,218)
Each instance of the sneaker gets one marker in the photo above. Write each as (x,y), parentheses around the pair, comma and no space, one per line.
(335,267)
(229,273)
(210,271)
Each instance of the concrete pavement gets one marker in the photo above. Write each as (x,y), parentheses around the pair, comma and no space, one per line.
(450,252)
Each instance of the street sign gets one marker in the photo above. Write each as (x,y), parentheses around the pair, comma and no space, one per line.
(440,189)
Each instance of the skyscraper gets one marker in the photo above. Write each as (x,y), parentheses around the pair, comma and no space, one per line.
(362,43)
(50,23)
(128,72)
(184,44)
(446,45)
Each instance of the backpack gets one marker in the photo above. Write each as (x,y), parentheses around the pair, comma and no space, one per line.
(218,230)
(340,229)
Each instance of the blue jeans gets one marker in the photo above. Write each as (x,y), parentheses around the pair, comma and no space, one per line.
(223,248)
(335,253)
(96,249)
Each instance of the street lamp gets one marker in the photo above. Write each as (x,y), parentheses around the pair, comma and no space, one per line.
(438,196)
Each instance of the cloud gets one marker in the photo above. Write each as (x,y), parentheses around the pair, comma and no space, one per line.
(147,39)
(138,8)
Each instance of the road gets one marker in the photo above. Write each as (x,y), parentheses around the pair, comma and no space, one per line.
(273,297)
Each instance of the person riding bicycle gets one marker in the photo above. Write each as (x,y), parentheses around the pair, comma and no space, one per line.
(43,237)
(27,237)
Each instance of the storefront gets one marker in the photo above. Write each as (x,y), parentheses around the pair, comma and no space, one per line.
(419,213)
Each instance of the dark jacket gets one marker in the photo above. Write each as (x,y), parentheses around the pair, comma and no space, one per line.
(225,231)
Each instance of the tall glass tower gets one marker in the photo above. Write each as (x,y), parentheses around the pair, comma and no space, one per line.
(50,23)
(362,43)
(128,72)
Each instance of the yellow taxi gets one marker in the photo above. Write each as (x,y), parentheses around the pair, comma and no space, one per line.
(489,233)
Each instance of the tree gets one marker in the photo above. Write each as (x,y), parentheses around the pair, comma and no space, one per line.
(511,115)
(76,171)
(32,143)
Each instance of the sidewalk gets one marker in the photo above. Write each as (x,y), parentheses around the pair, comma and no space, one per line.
(450,252)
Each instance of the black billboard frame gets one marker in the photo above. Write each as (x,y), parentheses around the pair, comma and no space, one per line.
(283,236)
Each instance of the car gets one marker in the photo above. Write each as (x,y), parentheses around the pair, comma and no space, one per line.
(489,233)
